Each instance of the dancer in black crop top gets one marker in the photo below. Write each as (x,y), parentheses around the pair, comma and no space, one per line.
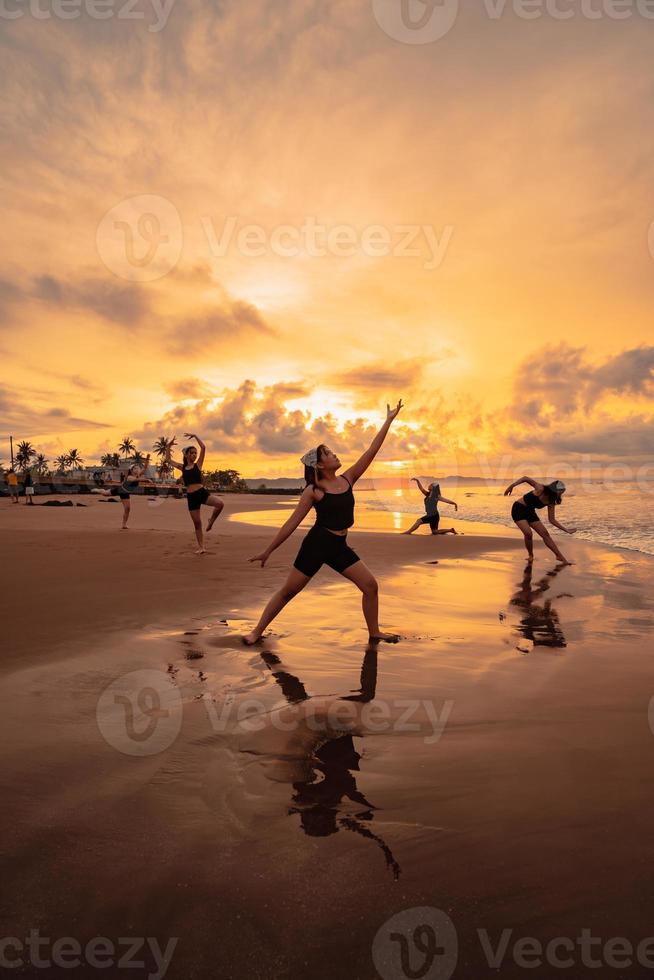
(332,497)
(128,486)
(196,492)
(524,514)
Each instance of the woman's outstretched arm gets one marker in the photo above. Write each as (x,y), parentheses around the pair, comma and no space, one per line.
(538,487)
(424,492)
(355,472)
(203,448)
(551,513)
(143,469)
(444,500)
(168,458)
(285,531)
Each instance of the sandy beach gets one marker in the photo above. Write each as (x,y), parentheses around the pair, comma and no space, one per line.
(267,812)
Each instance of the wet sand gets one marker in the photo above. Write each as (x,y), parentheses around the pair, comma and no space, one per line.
(272,808)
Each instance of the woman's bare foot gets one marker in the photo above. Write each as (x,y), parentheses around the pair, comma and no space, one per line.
(562,562)
(210,523)
(201,551)
(385,638)
(252,638)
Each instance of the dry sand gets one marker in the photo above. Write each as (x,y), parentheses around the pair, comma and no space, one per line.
(495,765)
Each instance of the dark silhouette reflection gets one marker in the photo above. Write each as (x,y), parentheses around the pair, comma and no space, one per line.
(332,784)
(540,622)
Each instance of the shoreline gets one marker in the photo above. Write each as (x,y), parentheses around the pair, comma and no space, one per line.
(106,580)
(95,577)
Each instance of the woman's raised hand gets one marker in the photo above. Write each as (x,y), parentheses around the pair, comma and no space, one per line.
(189,435)
(392,413)
(508,491)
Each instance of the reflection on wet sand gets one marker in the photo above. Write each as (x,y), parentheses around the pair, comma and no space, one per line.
(540,623)
(329,781)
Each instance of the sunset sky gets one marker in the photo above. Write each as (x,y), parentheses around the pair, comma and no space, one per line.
(515,153)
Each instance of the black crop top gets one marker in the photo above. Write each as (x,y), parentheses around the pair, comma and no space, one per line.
(194,475)
(531,500)
(336,510)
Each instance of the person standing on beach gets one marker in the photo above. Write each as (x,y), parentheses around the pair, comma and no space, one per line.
(12,483)
(432,516)
(196,493)
(332,497)
(127,488)
(29,488)
(524,514)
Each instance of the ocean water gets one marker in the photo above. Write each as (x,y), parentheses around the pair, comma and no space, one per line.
(618,515)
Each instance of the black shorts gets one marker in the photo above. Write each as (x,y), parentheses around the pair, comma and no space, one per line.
(432,519)
(321,547)
(122,494)
(197,498)
(520,512)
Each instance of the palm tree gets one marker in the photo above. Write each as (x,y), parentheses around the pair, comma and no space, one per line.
(41,464)
(75,461)
(62,462)
(138,457)
(24,455)
(161,447)
(111,459)
(127,446)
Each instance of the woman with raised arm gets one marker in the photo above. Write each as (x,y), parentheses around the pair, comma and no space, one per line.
(127,488)
(432,516)
(196,493)
(332,497)
(524,514)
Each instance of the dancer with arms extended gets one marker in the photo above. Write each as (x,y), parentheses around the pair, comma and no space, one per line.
(524,514)
(432,516)
(332,497)
(127,488)
(196,492)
